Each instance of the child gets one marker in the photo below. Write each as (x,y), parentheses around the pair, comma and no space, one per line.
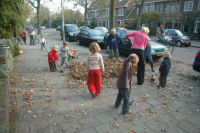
(65,53)
(52,57)
(43,42)
(124,81)
(73,52)
(95,67)
(164,70)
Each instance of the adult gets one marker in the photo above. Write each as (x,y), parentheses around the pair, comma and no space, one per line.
(23,35)
(32,37)
(112,43)
(138,46)
(160,31)
(147,53)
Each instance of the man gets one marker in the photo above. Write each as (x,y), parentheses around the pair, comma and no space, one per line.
(138,46)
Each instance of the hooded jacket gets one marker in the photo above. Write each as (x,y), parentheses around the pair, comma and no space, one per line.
(165,66)
(53,56)
(125,74)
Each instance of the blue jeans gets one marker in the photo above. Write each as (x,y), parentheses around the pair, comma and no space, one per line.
(147,53)
(123,93)
(65,60)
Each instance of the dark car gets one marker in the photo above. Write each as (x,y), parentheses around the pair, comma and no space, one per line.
(29,28)
(85,37)
(196,64)
(178,38)
(71,32)
(157,48)
(58,28)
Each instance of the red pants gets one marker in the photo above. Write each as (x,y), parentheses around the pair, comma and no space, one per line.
(94,81)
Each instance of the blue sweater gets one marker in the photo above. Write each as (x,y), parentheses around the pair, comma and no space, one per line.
(113,41)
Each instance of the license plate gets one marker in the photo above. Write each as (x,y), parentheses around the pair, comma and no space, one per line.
(161,54)
(187,43)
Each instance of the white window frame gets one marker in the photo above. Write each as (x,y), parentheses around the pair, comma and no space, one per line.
(187,6)
(198,7)
(159,8)
(120,22)
(149,7)
(120,11)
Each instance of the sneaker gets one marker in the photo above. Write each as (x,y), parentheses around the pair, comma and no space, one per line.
(131,102)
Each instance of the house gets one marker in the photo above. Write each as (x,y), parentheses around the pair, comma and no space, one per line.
(181,14)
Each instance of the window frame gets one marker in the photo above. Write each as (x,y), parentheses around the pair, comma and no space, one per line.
(187,6)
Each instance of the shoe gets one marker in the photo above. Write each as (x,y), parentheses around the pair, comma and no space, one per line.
(138,83)
(93,95)
(131,102)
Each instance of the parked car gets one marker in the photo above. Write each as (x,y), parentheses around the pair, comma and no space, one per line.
(43,27)
(103,29)
(28,28)
(157,48)
(85,37)
(71,32)
(178,38)
(196,64)
(58,28)
(83,28)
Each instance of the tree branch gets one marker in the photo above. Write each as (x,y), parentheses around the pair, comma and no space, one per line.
(32,3)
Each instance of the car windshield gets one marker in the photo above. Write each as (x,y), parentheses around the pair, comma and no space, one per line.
(71,28)
(179,33)
(95,33)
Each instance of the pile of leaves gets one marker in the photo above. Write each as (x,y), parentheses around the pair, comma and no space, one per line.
(77,76)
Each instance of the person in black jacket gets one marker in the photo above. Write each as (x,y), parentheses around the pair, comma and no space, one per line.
(112,43)
(164,70)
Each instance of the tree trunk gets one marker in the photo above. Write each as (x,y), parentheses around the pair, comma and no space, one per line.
(38,16)
(86,11)
(141,6)
(112,14)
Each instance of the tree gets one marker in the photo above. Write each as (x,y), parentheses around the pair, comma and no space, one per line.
(32,2)
(112,14)
(85,4)
(13,14)
(140,6)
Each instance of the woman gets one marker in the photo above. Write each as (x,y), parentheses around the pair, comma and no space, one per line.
(138,46)
(23,35)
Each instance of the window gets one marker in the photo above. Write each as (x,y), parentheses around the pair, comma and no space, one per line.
(97,14)
(120,12)
(188,5)
(105,13)
(159,8)
(119,0)
(198,7)
(120,22)
(148,7)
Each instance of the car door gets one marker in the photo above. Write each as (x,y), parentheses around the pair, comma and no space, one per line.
(86,38)
(172,34)
(80,37)
(125,48)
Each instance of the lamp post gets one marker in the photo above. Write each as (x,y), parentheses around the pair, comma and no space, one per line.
(62,12)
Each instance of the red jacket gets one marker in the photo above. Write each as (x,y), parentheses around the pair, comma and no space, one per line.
(53,56)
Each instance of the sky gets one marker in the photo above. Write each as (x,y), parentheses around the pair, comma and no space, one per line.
(55,5)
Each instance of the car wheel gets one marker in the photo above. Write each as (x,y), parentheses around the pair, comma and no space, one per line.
(178,43)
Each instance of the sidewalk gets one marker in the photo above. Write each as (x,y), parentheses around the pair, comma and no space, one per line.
(195,43)
(45,105)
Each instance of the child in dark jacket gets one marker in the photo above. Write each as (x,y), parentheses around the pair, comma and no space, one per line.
(124,81)
(164,70)
(52,57)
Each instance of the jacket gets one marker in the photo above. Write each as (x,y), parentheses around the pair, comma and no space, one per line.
(165,66)
(65,52)
(112,41)
(125,76)
(53,56)
(140,39)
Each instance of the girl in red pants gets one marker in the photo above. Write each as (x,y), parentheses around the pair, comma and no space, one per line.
(95,67)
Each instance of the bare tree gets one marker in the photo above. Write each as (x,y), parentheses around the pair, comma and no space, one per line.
(140,6)
(112,14)
(32,2)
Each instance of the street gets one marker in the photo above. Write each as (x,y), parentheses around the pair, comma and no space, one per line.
(45,105)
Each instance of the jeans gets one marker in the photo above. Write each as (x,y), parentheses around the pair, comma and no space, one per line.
(65,60)
(123,93)
(32,40)
(42,46)
(147,53)
(140,65)
(113,53)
